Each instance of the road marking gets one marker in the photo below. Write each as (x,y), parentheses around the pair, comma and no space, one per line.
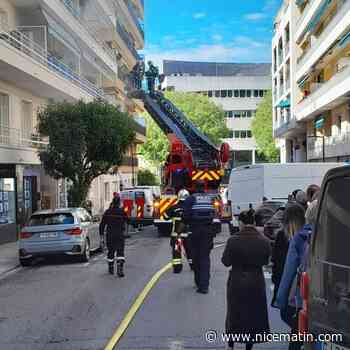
(124,324)
(135,307)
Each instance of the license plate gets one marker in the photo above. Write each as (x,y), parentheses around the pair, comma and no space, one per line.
(331,346)
(48,235)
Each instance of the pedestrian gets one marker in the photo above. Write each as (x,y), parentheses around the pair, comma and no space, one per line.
(199,214)
(312,192)
(301,199)
(286,294)
(115,219)
(246,253)
(180,234)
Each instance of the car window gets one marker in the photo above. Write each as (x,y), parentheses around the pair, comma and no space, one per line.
(51,219)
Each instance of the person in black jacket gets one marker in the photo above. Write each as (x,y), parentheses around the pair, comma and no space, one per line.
(246,253)
(115,220)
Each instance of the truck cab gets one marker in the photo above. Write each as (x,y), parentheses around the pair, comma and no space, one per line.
(328,298)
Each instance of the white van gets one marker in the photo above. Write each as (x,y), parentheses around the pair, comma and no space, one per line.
(250,184)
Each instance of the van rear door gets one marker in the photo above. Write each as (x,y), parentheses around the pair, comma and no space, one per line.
(329,307)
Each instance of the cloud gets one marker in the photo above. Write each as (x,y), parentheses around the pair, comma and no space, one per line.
(169,38)
(255,16)
(210,53)
(242,40)
(190,40)
(199,15)
(217,37)
(271,5)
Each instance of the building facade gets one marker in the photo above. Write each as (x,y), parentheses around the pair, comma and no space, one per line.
(236,87)
(312,121)
(60,50)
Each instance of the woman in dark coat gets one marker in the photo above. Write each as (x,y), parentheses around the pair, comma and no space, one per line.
(246,253)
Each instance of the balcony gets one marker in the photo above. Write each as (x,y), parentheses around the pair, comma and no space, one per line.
(335,146)
(135,17)
(321,44)
(326,96)
(290,125)
(21,42)
(128,41)
(18,139)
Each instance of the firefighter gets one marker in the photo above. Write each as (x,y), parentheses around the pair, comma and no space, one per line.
(115,219)
(200,213)
(179,236)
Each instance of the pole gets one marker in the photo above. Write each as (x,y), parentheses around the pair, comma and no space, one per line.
(323,150)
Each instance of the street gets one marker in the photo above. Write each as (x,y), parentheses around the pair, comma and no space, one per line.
(68,305)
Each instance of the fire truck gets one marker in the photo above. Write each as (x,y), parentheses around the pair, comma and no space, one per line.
(192,157)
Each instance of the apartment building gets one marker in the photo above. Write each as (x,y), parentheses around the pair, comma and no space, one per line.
(316,125)
(237,87)
(56,50)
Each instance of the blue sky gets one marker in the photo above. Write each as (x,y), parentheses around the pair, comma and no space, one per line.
(209,30)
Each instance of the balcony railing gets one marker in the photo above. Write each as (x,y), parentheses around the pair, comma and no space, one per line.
(75,11)
(334,146)
(18,138)
(135,17)
(127,40)
(21,42)
(286,126)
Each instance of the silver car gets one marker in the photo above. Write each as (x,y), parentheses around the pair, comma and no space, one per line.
(61,231)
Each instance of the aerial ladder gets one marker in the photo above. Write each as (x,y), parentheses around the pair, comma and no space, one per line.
(192,156)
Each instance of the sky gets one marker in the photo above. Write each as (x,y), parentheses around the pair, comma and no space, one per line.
(209,30)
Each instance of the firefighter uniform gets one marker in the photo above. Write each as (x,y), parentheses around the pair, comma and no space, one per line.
(199,212)
(115,220)
(179,240)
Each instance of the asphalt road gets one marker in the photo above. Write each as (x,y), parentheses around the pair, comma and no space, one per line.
(61,305)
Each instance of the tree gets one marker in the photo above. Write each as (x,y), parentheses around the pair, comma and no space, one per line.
(86,141)
(147,178)
(262,129)
(208,117)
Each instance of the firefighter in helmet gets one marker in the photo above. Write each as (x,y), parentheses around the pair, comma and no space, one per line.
(115,220)
(180,239)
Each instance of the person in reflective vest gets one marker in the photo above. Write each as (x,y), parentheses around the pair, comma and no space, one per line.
(115,220)
(200,213)
(179,240)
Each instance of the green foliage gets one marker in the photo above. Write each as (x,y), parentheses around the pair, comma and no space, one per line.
(86,141)
(147,178)
(208,117)
(262,129)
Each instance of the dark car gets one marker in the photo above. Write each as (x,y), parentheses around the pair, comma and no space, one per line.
(328,280)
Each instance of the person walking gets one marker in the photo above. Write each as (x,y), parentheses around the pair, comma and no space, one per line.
(246,253)
(286,294)
(199,213)
(114,219)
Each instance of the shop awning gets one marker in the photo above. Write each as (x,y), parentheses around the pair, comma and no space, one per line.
(301,82)
(284,104)
(345,40)
(300,2)
(317,16)
(319,122)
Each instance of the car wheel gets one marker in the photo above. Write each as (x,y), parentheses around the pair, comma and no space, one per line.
(86,254)
(26,262)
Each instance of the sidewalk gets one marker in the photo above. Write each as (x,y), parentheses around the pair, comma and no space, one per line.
(8,257)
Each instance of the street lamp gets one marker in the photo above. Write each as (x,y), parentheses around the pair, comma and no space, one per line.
(323,145)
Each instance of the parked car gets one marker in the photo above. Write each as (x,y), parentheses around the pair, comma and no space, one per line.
(61,231)
(326,286)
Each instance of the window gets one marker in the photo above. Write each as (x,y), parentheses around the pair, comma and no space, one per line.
(261,93)
(52,219)
(249,93)
(4,110)
(217,93)
(242,93)
(249,114)
(237,114)
(229,93)
(244,114)
(249,134)
(339,119)
(236,92)
(223,93)
(256,93)
(210,93)
(229,114)
(26,120)
(231,134)
(243,134)
(237,134)
(4,25)
(107,192)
